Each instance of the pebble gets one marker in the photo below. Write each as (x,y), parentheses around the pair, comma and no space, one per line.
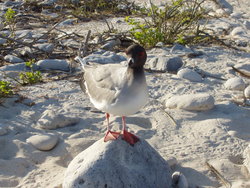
(53,64)
(46,47)
(238,31)
(43,142)
(246,156)
(189,74)
(52,120)
(117,163)
(66,22)
(247,92)
(235,83)
(193,102)
(243,67)
(246,23)
(179,180)
(104,57)
(20,34)
(180,49)
(111,44)
(13,59)
(3,130)
(164,64)
(14,67)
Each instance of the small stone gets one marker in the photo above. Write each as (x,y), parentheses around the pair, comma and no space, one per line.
(46,47)
(180,49)
(238,31)
(111,44)
(164,64)
(66,22)
(13,59)
(189,74)
(51,120)
(172,161)
(111,164)
(44,142)
(104,57)
(193,102)
(235,83)
(236,15)
(3,130)
(247,92)
(53,64)
(246,23)
(21,34)
(246,155)
(244,68)
(14,67)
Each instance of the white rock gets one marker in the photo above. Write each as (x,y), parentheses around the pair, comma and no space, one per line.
(53,64)
(103,57)
(66,22)
(3,130)
(14,67)
(111,44)
(235,83)
(179,180)
(163,63)
(51,120)
(238,31)
(13,59)
(189,74)
(46,47)
(43,142)
(197,102)
(247,92)
(246,156)
(116,164)
(243,67)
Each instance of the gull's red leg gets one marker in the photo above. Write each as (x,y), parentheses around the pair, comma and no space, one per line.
(110,135)
(127,136)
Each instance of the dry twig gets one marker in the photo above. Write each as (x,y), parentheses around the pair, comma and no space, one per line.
(241,72)
(218,175)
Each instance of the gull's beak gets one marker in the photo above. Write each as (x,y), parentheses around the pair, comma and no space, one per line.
(131,61)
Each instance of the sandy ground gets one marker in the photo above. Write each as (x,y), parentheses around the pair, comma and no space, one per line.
(218,136)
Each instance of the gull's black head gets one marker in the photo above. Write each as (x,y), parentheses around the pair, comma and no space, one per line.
(137,55)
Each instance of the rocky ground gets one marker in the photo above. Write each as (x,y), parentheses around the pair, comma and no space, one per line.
(197,116)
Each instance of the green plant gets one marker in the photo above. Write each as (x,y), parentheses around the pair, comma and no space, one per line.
(32,76)
(10,19)
(5,89)
(176,22)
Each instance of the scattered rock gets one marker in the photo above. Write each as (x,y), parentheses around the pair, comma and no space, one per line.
(21,34)
(235,83)
(104,57)
(189,74)
(66,22)
(246,23)
(180,49)
(247,92)
(111,44)
(46,47)
(238,31)
(197,102)
(3,130)
(109,164)
(246,156)
(53,64)
(14,67)
(13,59)
(51,120)
(164,64)
(179,180)
(243,67)
(43,142)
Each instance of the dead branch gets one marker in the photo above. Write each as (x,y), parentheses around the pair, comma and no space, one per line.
(226,183)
